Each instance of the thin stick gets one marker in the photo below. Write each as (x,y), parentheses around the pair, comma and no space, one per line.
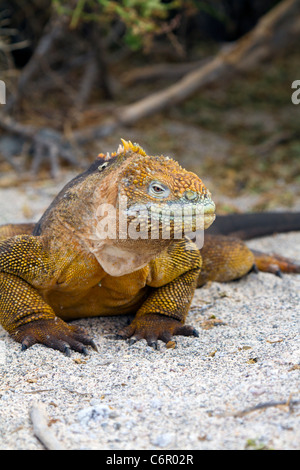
(275,30)
(40,428)
(262,406)
(53,30)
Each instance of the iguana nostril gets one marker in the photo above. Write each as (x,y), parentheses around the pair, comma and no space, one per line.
(191,195)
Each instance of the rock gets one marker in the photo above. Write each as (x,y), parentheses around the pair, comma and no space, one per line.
(96,413)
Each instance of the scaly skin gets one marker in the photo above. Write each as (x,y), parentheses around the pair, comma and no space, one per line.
(63,267)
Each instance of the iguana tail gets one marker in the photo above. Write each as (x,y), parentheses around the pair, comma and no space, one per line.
(252,225)
(226,257)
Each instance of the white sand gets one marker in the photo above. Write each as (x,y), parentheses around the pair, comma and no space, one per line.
(132,397)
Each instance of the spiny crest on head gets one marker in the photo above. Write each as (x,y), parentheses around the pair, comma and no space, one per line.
(127,146)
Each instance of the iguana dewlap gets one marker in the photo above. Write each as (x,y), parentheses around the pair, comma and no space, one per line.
(90,255)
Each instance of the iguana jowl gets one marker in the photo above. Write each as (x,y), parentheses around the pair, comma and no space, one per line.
(61,268)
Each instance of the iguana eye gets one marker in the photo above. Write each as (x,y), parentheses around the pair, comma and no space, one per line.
(157,189)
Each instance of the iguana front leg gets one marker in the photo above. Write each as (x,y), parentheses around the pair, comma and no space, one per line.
(26,267)
(173,277)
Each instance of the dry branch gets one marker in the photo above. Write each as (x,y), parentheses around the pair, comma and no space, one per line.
(159,71)
(87,82)
(46,144)
(274,32)
(263,406)
(41,429)
(53,30)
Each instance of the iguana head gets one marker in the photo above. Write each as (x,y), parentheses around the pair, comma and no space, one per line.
(157,197)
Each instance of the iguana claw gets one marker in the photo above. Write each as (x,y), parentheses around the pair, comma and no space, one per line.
(55,334)
(155,327)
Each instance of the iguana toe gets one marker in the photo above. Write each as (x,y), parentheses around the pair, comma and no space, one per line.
(55,334)
(155,327)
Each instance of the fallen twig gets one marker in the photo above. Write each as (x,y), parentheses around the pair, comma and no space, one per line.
(40,428)
(268,146)
(275,30)
(159,71)
(47,144)
(262,406)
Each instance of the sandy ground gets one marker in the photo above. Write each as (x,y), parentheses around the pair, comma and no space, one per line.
(188,398)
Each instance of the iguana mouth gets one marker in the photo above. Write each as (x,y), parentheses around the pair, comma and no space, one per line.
(175,217)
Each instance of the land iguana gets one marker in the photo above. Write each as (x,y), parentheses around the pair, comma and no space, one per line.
(80,261)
